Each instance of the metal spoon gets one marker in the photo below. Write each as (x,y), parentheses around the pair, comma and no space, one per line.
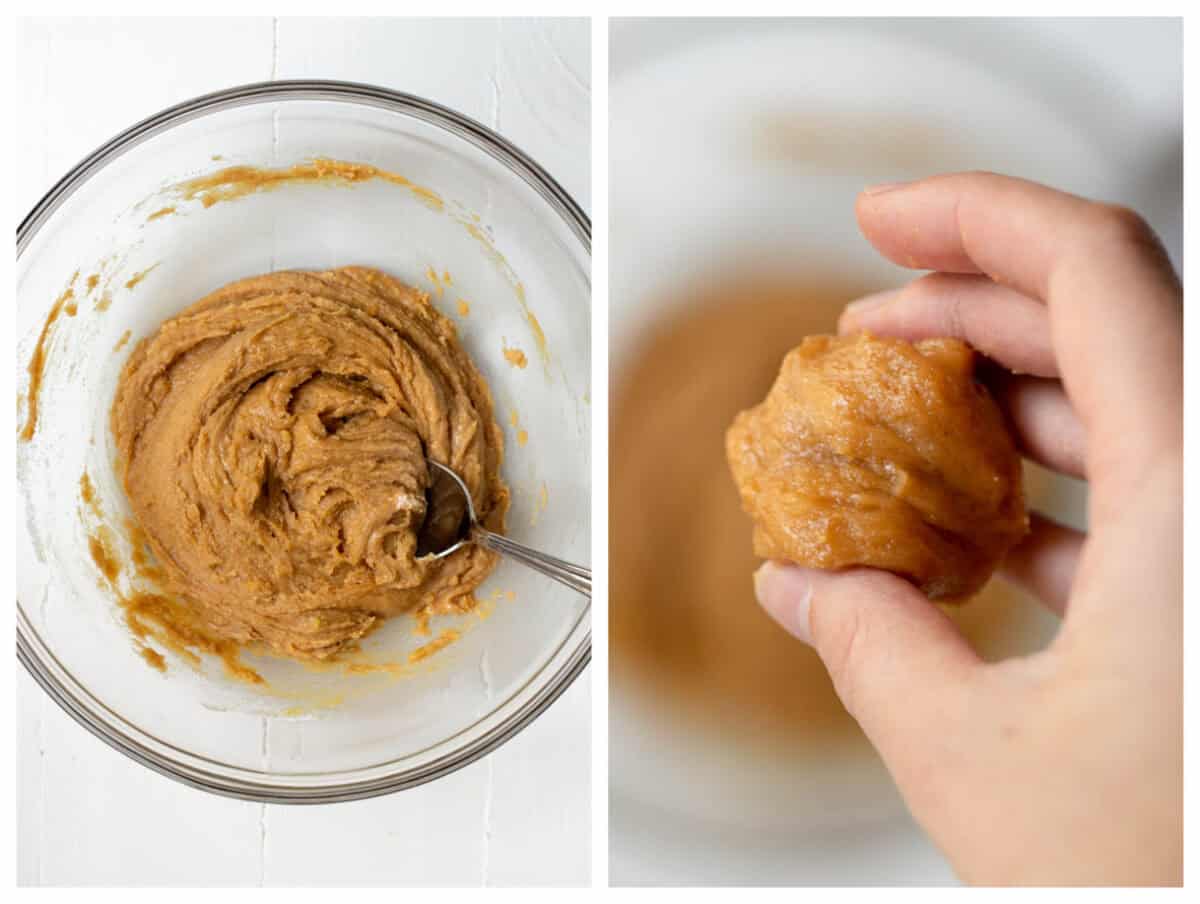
(449,495)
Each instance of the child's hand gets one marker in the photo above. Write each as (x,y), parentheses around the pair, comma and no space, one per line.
(1065,767)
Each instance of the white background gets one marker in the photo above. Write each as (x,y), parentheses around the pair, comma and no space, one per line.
(86,814)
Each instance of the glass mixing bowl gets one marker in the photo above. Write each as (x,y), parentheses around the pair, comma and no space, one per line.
(485,226)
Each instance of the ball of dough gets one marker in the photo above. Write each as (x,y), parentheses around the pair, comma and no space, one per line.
(881,453)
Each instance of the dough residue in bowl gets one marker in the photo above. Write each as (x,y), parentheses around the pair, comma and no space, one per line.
(515,357)
(235,182)
(272,442)
(64,304)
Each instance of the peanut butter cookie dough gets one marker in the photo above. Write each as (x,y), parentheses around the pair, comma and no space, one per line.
(272,441)
(881,453)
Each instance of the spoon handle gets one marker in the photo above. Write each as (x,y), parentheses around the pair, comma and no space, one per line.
(576,577)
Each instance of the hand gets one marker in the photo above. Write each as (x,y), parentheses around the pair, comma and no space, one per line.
(1065,767)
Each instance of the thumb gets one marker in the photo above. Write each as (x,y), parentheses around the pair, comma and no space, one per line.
(898,663)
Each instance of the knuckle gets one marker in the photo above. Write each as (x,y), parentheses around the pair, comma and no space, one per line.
(940,295)
(953,319)
(1115,222)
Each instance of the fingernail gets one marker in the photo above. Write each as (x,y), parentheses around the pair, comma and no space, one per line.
(884,187)
(785,592)
(871,302)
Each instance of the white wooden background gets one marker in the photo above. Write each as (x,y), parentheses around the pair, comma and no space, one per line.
(88,815)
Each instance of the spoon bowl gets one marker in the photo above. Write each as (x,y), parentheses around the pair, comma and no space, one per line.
(449,496)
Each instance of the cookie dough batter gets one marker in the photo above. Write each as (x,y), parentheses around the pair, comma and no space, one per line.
(272,441)
(882,453)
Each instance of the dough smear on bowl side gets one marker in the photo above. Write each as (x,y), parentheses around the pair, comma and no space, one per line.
(272,442)
(882,453)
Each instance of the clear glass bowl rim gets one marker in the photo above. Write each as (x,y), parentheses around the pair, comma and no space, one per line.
(200,772)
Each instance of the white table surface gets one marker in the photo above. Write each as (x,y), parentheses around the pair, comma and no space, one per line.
(87,815)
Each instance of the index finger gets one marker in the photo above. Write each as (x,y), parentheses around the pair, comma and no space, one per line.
(1114,302)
